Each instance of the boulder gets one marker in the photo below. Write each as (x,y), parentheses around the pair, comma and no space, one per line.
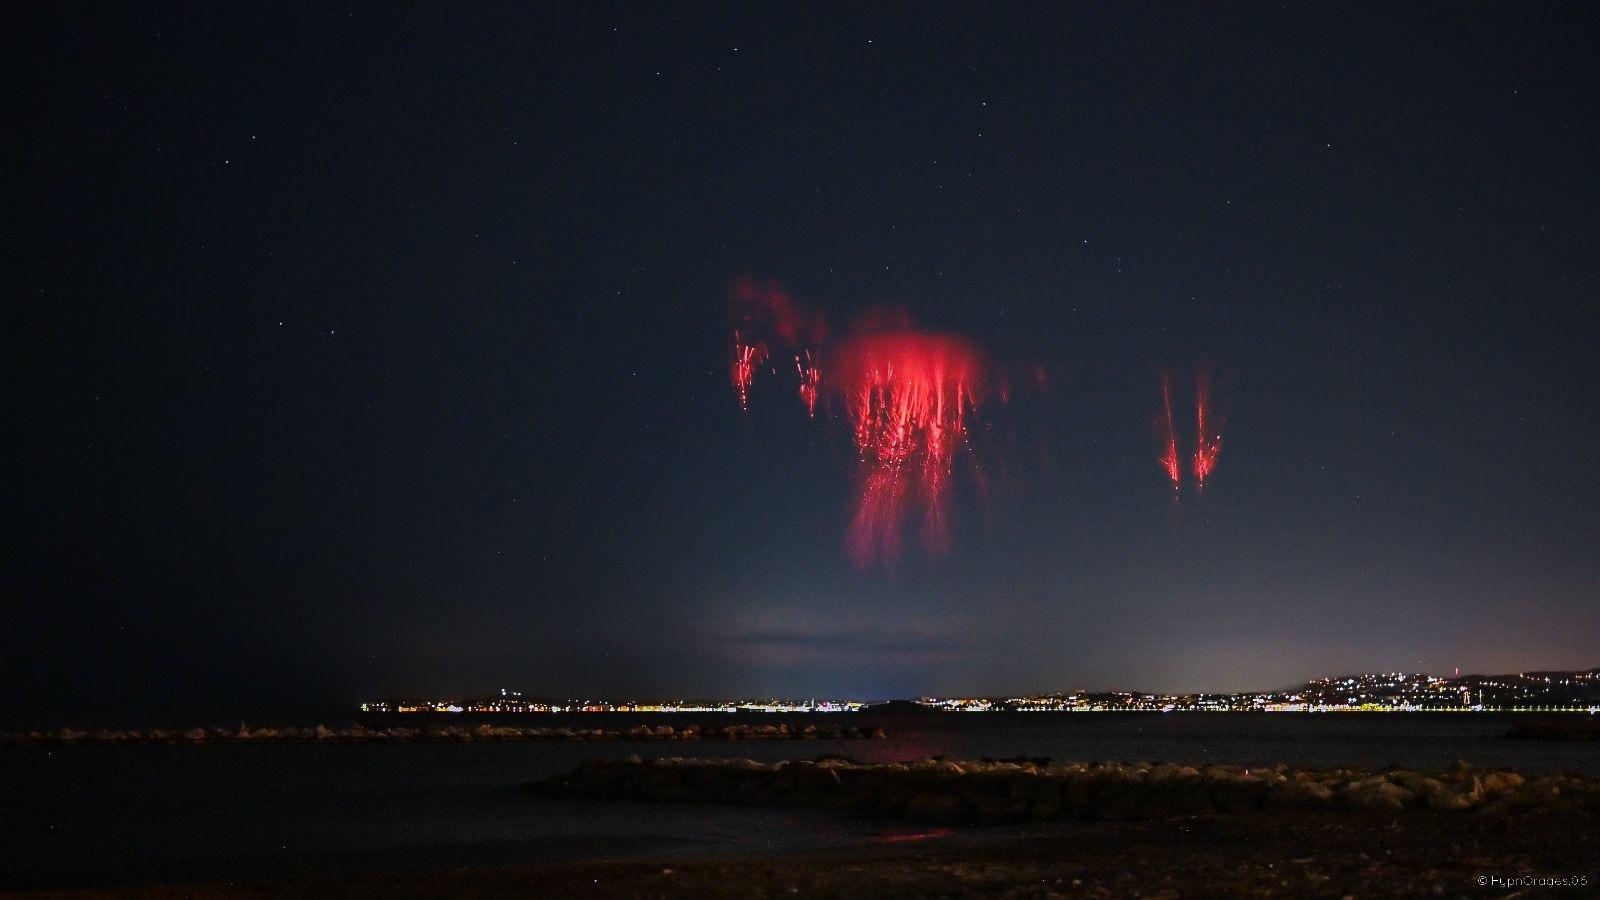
(1448,800)
(938,806)
(998,809)
(1501,782)
(813,777)
(1045,804)
(1297,793)
(1379,794)
(1435,793)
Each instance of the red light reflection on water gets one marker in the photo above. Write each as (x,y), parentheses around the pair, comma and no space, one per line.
(911,837)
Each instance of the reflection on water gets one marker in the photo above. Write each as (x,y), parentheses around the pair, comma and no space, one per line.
(912,837)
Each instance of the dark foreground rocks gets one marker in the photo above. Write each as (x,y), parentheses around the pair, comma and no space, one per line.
(448,734)
(1000,792)
(1274,853)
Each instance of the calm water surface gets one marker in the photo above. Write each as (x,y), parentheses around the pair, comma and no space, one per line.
(85,816)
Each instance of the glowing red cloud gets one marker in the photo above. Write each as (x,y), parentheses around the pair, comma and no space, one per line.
(769,307)
(1208,428)
(766,317)
(1207,435)
(745,359)
(907,395)
(905,392)
(809,365)
(1169,434)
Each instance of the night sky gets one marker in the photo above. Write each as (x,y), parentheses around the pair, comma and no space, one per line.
(383,350)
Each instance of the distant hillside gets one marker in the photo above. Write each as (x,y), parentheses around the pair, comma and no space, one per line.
(1523,689)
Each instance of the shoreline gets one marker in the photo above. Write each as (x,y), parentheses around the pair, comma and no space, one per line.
(440,734)
(1283,854)
(1017,827)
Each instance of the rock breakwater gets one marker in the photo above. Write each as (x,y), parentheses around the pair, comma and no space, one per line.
(995,792)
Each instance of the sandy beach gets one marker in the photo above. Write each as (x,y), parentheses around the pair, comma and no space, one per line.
(1268,855)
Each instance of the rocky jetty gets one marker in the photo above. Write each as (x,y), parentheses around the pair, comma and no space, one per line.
(447,734)
(994,792)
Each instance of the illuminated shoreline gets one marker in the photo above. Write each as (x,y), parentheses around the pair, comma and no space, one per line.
(1389,692)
